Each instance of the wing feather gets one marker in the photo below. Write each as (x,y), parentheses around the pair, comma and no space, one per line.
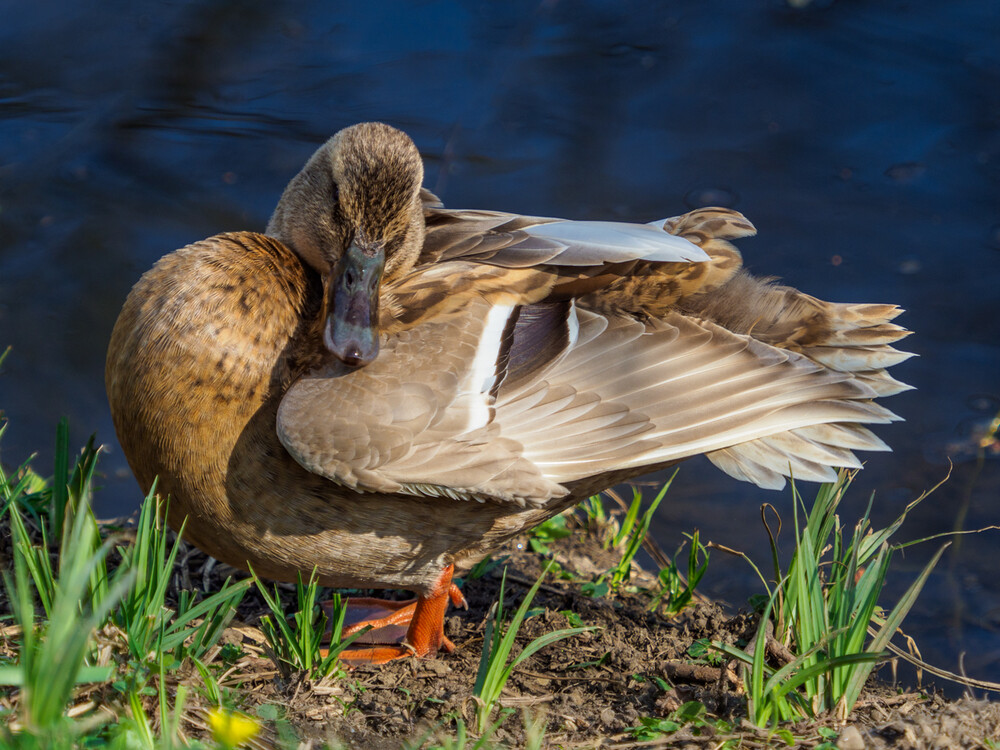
(619,395)
(513,241)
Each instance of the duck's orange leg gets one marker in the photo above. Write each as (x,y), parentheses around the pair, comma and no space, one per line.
(422,617)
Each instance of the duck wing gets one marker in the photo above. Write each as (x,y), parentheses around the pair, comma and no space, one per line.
(527,358)
(522,402)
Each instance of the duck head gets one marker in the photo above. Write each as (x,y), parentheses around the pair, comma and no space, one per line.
(354,214)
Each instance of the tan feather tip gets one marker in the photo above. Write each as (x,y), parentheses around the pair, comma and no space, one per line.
(883,383)
(712,222)
(857,359)
(870,314)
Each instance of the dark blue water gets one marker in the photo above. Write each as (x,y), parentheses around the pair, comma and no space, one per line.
(862,138)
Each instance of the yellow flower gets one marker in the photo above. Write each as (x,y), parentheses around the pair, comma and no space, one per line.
(231,729)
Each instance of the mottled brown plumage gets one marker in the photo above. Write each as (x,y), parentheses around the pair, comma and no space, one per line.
(524,363)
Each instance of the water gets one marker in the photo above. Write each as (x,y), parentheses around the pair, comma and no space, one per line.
(863,140)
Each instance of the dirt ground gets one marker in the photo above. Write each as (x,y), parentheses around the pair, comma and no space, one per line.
(588,691)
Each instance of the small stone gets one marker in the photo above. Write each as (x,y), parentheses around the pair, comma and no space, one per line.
(850,739)
(667,702)
(437,666)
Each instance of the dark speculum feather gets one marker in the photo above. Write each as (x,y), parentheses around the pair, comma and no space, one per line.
(534,336)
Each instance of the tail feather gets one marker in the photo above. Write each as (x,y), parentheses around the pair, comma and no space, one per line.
(745,470)
(776,463)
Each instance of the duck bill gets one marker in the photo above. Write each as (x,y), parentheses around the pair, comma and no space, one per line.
(351,330)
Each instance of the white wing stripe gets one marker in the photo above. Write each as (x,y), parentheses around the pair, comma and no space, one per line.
(482,374)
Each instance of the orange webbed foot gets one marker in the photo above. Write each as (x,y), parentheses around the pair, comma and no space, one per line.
(401,629)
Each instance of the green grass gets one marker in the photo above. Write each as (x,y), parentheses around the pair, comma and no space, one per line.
(824,605)
(139,731)
(495,664)
(676,592)
(56,655)
(152,627)
(83,593)
(628,535)
(24,489)
(632,532)
(299,644)
(551,530)
(691,715)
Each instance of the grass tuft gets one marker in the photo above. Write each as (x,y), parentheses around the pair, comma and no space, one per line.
(83,593)
(298,645)
(57,655)
(824,605)
(675,593)
(154,630)
(495,666)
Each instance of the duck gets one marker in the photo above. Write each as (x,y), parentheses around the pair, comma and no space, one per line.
(382,390)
